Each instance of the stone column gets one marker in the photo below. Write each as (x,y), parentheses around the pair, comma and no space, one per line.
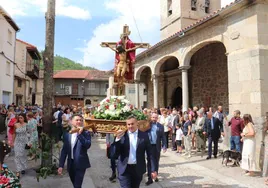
(185,88)
(155,84)
(137,93)
(110,90)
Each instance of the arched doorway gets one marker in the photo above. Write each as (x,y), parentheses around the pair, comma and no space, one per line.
(177,98)
(208,77)
(169,79)
(88,102)
(144,75)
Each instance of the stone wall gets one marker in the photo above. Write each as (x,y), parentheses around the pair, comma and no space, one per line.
(208,77)
(19,90)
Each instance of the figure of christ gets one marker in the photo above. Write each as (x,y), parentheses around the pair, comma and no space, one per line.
(123,64)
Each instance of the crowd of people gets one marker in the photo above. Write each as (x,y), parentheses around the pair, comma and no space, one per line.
(192,131)
(185,133)
(23,126)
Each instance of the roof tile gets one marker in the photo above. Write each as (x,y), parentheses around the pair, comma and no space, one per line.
(82,74)
(74,74)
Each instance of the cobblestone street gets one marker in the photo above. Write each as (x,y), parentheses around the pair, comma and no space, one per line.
(175,172)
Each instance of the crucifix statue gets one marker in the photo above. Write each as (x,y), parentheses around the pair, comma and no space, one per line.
(124,57)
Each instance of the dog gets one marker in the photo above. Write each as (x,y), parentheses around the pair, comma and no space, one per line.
(233,155)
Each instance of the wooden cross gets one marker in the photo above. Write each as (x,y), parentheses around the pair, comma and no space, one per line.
(125,33)
(123,62)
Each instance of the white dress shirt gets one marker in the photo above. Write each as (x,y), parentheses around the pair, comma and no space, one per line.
(73,140)
(133,138)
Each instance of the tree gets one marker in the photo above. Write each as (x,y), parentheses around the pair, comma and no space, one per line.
(48,58)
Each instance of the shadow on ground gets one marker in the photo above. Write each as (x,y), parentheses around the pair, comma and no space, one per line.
(191,182)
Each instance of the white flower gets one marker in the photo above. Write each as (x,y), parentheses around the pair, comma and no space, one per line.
(121,97)
(112,113)
(117,112)
(111,107)
(125,101)
(126,108)
(113,97)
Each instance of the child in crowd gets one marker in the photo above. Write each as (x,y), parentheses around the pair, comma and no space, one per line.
(179,135)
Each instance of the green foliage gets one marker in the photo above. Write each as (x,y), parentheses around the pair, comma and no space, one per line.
(44,154)
(63,63)
(122,116)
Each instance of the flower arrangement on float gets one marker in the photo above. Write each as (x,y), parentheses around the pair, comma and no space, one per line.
(117,108)
(8,179)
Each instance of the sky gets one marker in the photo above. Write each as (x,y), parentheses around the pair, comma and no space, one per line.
(81,25)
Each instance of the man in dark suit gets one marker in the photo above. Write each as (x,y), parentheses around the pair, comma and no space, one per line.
(158,141)
(130,148)
(75,146)
(213,128)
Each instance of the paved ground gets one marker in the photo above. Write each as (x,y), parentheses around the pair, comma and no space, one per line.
(175,172)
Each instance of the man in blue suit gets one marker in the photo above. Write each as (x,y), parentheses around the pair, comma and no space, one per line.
(130,147)
(158,141)
(75,146)
(213,129)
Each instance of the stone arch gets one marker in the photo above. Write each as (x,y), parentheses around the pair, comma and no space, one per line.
(144,76)
(208,75)
(193,49)
(139,71)
(162,61)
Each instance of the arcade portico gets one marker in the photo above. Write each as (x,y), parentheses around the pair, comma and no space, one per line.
(217,60)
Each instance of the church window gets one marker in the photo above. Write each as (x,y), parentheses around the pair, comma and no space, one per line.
(169,6)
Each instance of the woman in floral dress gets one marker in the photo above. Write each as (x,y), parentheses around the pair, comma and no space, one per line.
(20,141)
(32,130)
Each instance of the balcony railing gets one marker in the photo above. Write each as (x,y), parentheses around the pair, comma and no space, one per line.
(32,69)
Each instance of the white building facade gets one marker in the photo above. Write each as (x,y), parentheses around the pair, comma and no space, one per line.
(8,30)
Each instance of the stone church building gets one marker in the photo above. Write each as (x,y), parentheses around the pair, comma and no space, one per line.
(209,56)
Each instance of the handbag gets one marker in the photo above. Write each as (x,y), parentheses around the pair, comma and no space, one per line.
(27,146)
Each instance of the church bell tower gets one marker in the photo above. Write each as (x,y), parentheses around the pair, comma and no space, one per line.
(178,14)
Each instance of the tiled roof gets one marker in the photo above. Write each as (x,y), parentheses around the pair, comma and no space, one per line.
(74,74)
(26,43)
(197,23)
(98,75)
(9,19)
(30,47)
(82,74)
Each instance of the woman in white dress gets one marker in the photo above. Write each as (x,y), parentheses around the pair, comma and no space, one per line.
(248,153)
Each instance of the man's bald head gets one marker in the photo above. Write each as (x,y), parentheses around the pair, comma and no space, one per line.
(209,114)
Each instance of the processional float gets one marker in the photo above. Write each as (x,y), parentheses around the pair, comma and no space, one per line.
(110,115)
